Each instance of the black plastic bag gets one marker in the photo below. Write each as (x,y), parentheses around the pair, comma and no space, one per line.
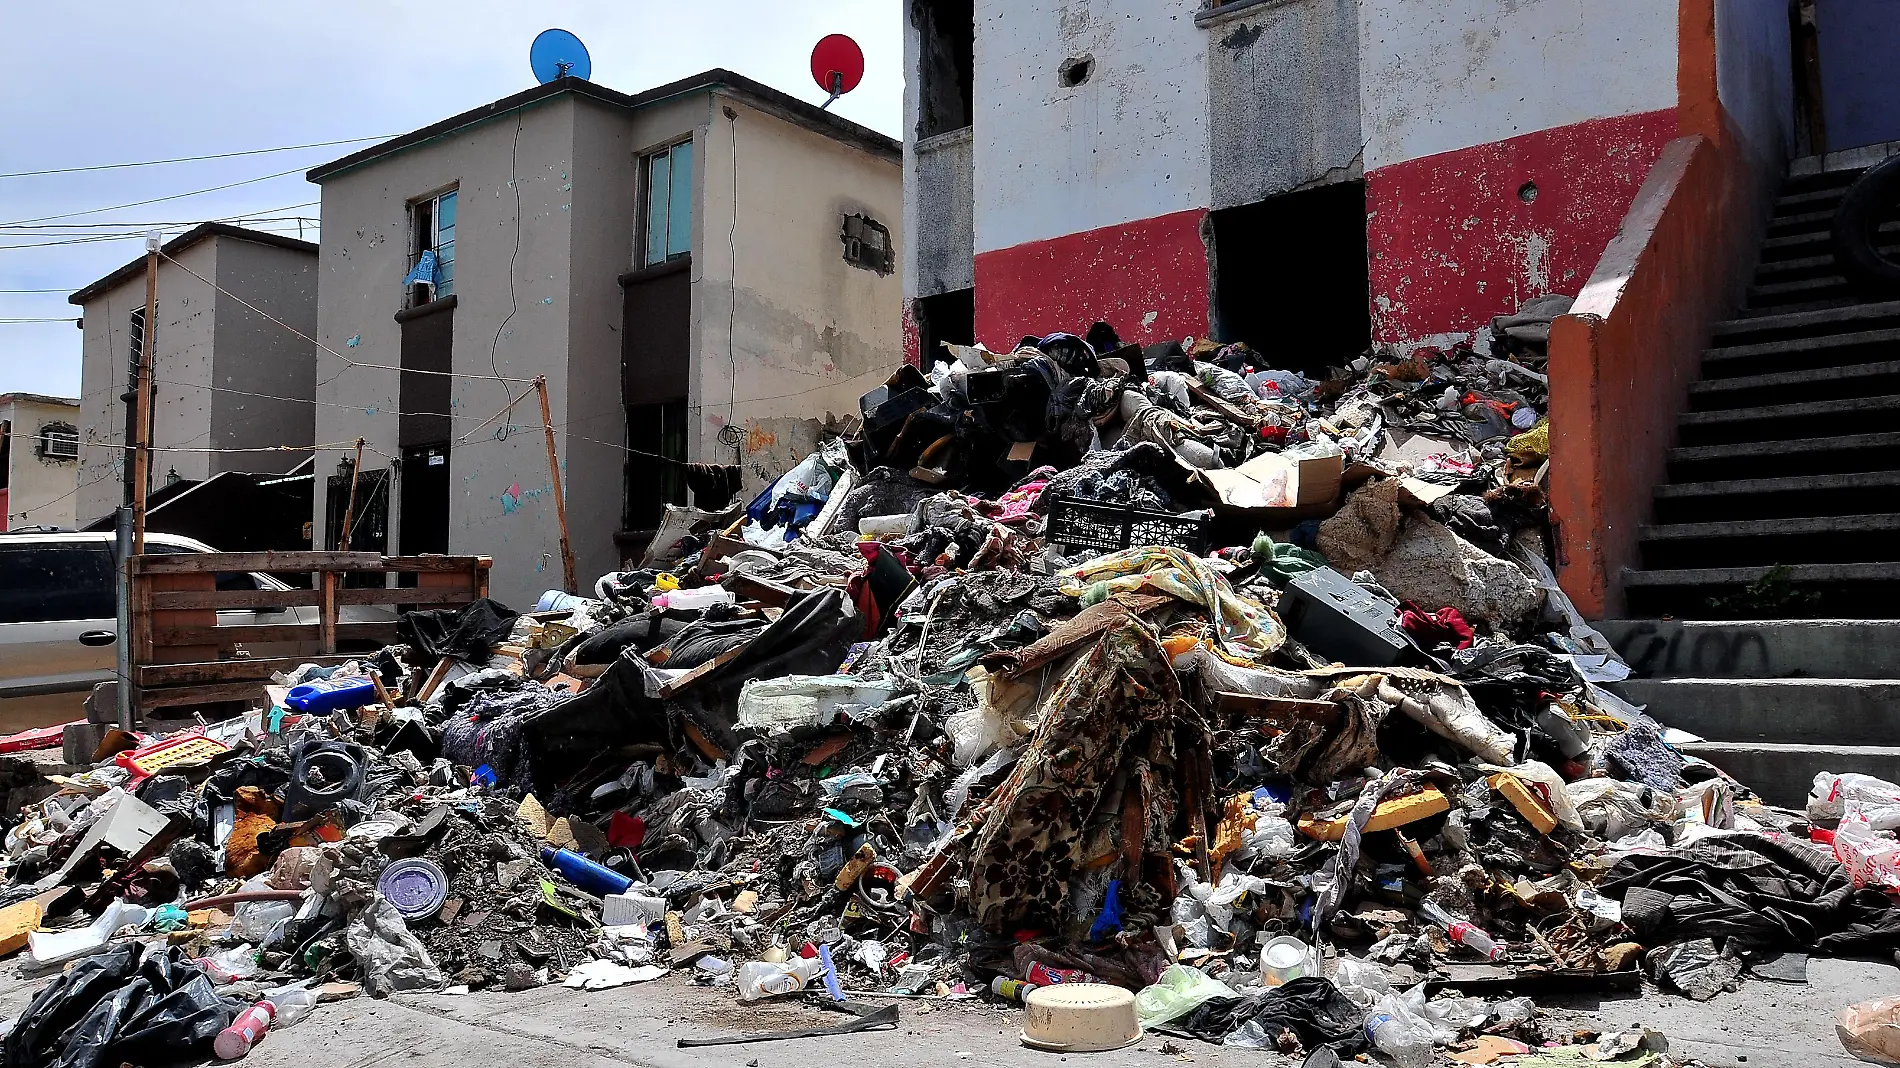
(125,1004)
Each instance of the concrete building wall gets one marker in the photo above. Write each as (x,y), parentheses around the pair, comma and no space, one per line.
(1504,140)
(601,194)
(511,320)
(39,490)
(257,356)
(806,331)
(943,239)
(1755,77)
(182,367)
(1283,98)
(1089,198)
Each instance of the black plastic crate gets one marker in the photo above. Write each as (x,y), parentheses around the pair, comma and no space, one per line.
(1078,523)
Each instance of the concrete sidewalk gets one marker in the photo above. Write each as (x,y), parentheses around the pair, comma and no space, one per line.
(1765,1025)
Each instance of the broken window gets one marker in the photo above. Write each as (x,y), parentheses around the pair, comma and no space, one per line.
(867,244)
(668,179)
(946,63)
(432,248)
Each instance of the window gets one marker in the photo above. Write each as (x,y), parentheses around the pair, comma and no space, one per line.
(867,244)
(44,583)
(135,328)
(668,176)
(59,441)
(432,249)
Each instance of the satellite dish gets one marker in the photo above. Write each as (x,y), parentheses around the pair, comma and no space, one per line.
(559,54)
(837,65)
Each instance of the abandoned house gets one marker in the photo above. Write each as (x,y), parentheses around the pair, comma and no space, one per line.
(704,272)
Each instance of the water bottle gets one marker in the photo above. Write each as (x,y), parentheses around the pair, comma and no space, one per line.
(1462,931)
(764,979)
(1407,1045)
(694,599)
(236,1040)
(589,876)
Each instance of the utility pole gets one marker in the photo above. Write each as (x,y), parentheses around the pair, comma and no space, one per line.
(554,475)
(142,452)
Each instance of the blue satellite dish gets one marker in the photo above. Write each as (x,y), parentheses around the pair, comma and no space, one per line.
(559,54)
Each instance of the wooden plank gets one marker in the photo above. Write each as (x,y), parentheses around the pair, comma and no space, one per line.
(753,588)
(447,564)
(199,563)
(441,672)
(326,612)
(181,585)
(691,678)
(271,633)
(458,594)
(220,600)
(174,696)
(258,669)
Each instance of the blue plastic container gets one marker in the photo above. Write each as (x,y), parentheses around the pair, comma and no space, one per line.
(324,696)
(589,876)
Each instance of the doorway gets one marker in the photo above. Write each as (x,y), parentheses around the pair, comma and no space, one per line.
(947,317)
(425,499)
(1291,278)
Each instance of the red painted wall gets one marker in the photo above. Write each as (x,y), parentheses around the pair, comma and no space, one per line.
(1453,242)
(1146,278)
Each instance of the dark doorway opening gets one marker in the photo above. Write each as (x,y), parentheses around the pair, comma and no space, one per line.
(946,61)
(425,499)
(1291,278)
(656,462)
(947,317)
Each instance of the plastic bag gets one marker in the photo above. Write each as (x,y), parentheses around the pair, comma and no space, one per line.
(1870,856)
(1179,991)
(390,958)
(1869,1030)
(1361,981)
(1878,799)
(127,1004)
(1401,1027)
(1612,809)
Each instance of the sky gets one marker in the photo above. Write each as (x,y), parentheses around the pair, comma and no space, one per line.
(115,81)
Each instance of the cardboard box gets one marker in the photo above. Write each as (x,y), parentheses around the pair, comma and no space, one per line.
(1275,491)
(16,922)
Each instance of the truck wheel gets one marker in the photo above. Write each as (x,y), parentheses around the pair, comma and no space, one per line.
(1870,201)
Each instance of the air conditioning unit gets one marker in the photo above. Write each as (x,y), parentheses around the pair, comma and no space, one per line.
(59,442)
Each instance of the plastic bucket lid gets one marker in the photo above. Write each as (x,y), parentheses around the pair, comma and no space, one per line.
(417,887)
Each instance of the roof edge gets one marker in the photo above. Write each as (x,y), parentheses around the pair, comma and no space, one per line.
(184,241)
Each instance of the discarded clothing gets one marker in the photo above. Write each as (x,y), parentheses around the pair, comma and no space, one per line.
(1242,626)
(1310,1007)
(468,633)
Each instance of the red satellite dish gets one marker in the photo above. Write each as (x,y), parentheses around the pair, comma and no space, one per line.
(837,65)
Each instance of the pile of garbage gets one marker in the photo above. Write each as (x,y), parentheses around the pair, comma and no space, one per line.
(1150,666)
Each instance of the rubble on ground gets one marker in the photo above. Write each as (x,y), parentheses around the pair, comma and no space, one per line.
(1157,667)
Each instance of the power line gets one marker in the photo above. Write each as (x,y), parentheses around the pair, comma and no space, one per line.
(194,159)
(155,200)
(39,320)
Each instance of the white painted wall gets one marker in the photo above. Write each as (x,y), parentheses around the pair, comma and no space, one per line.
(1437,77)
(39,490)
(1130,143)
(806,332)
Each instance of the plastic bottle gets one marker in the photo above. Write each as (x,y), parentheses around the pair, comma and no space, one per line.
(235,1041)
(694,599)
(764,979)
(290,1004)
(324,696)
(589,876)
(1462,931)
(1409,1046)
(1013,989)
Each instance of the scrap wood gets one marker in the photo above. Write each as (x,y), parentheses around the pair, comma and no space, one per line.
(868,1018)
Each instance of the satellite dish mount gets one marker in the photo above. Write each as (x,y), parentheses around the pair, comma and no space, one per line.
(837,65)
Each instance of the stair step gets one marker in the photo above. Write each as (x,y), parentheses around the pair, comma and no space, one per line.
(1796,410)
(1802,222)
(1803,266)
(1831,711)
(1841,299)
(1791,484)
(1765,528)
(1809,384)
(1849,316)
(1783,773)
(1811,243)
(1797,574)
(1757,649)
(1791,447)
(1792,346)
(1802,456)
(1794,203)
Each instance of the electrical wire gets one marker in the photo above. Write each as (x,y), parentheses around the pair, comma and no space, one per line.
(514,151)
(69,493)
(15,322)
(321,345)
(155,200)
(195,159)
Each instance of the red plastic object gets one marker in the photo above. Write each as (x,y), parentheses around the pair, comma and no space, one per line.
(626,832)
(840,55)
(154,758)
(37,738)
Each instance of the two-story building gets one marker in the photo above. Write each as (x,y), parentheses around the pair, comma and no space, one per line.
(705,274)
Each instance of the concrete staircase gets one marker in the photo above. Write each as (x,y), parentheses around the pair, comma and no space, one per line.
(1778,701)
(1789,454)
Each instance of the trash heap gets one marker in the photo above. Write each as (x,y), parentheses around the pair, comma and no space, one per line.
(1150,666)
